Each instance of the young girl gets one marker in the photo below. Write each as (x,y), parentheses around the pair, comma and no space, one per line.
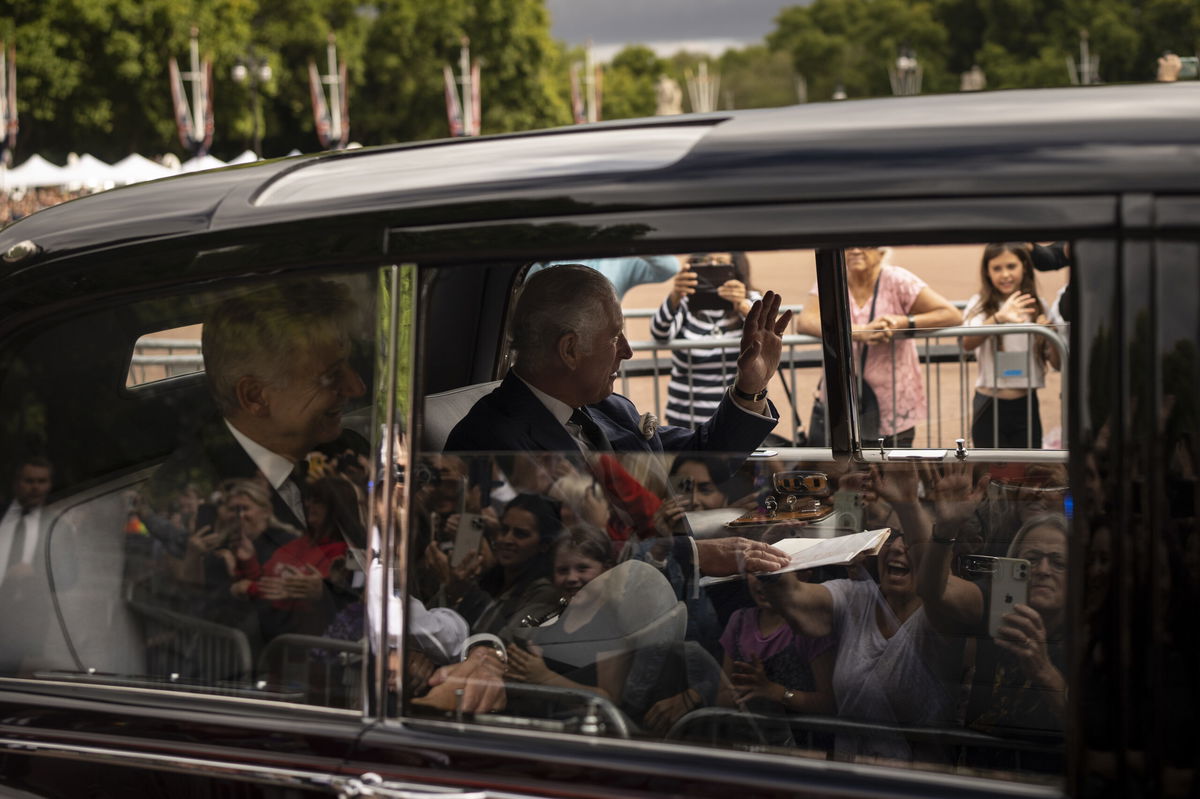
(581,554)
(772,667)
(1009,374)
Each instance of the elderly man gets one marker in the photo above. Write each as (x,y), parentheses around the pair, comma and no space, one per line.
(558,397)
(277,362)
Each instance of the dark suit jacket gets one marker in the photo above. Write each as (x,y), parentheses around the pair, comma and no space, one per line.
(512,419)
(213,456)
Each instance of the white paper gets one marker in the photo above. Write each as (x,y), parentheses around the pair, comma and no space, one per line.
(809,553)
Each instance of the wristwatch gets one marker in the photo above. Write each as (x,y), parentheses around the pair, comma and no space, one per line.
(912,321)
(788,696)
(746,395)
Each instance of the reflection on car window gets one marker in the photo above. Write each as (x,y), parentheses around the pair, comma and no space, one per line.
(628,579)
(231,560)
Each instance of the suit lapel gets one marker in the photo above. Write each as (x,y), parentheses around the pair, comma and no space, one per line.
(231,461)
(540,427)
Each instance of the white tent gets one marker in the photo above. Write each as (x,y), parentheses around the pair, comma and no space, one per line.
(135,168)
(246,157)
(34,173)
(208,161)
(89,172)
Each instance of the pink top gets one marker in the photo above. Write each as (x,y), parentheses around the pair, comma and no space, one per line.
(898,290)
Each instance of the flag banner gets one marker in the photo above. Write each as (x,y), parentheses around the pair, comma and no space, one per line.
(453,109)
(320,109)
(476,103)
(183,114)
(344,110)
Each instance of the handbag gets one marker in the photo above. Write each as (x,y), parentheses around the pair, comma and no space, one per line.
(868,403)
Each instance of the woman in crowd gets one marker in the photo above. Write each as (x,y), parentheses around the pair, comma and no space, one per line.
(885,302)
(1019,685)
(893,666)
(519,583)
(1012,367)
(700,377)
(306,577)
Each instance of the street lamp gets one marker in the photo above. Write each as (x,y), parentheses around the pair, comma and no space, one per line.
(257,71)
(905,74)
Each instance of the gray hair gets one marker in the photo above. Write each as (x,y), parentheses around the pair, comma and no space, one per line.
(259,333)
(1055,520)
(554,302)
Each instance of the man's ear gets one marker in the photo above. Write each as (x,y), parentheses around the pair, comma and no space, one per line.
(252,396)
(568,350)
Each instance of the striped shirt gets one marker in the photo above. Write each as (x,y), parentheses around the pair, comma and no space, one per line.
(700,376)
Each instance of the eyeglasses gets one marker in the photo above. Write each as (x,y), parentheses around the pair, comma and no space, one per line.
(1056,561)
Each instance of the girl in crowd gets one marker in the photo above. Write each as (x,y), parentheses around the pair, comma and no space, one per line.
(1009,373)
(773,668)
(885,302)
(700,377)
(581,554)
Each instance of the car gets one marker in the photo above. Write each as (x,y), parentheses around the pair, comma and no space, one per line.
(123,671)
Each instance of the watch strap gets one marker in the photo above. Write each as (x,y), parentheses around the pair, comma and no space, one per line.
(757,396)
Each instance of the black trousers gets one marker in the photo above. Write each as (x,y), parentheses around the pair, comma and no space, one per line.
(1014,428)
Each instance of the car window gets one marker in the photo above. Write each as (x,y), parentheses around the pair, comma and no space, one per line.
(205,535)
(585,574)
(165,353)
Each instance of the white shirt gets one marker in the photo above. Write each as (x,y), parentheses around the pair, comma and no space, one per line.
(561,412)
(438,633)
(276,468)
(8,529)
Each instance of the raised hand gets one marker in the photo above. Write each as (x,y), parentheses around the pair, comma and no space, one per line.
(1017,309)
(955,493)
(762,344)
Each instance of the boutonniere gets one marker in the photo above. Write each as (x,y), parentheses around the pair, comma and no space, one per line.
(648,425)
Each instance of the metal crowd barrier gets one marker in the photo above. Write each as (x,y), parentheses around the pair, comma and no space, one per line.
(804,352)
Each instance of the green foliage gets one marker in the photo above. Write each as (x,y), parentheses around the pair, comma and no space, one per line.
(92,74)
(631,83)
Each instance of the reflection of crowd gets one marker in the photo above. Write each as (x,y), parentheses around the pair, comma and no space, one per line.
(20,204)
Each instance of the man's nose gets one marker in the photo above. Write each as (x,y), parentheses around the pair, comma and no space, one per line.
(624,351)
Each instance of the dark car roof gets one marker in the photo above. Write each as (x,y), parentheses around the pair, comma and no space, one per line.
(1056,141)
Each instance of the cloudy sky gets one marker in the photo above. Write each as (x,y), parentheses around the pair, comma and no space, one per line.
(665,25)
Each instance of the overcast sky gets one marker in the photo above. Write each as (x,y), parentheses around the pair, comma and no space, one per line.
(662,24)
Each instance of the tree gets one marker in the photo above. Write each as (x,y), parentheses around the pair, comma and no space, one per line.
(850,43)
(631,83)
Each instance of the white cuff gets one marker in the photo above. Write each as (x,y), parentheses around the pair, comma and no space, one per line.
(485,638)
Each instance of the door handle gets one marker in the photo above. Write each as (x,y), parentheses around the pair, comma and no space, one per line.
(371,784)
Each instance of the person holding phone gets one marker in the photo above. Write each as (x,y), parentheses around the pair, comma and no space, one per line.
(709,300)
(1019,683)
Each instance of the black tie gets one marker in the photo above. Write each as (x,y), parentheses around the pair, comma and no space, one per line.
(17,553)
(591,430)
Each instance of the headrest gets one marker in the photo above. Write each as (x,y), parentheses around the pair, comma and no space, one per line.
(446,409)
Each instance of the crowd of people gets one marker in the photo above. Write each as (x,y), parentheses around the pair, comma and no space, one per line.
(15,206)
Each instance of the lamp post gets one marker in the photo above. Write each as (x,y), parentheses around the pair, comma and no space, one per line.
(257,71)
(905,73)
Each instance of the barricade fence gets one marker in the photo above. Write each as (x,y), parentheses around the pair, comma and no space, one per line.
(949,381)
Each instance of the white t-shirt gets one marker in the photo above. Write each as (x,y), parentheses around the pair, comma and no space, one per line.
(1018,368)
(905,680)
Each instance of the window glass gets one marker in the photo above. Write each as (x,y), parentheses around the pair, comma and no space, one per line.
(167,353)
(206,538)
(592,569)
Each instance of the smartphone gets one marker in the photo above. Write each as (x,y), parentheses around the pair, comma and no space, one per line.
(466,538)
(1009,585)
(709,278)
